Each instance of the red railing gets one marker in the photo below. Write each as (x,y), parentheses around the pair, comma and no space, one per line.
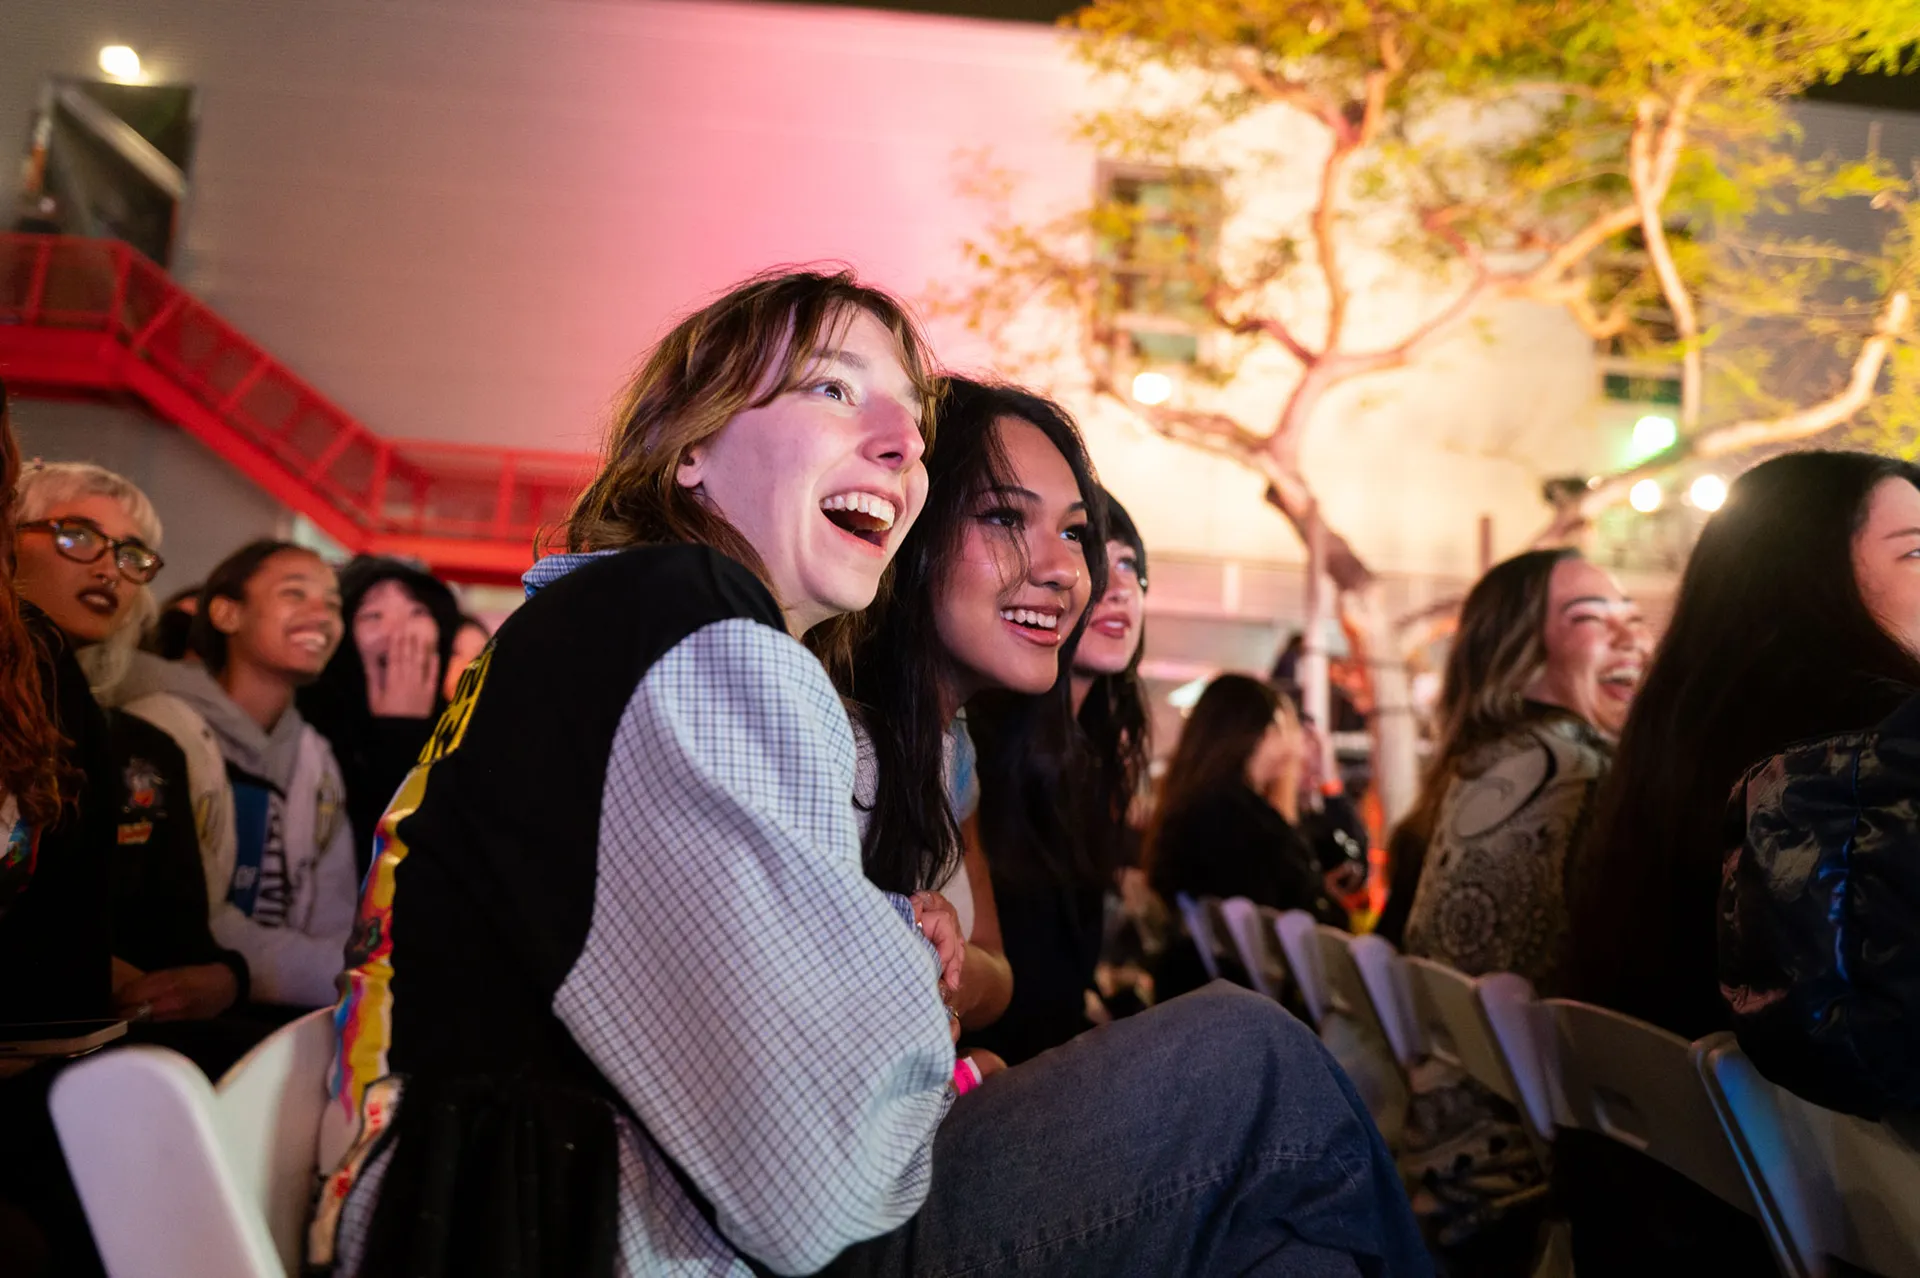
(94,316)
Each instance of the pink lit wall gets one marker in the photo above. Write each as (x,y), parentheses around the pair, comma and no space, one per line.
(465,220)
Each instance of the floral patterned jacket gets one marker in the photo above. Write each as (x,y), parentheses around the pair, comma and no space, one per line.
(1493,893)
(1820,917)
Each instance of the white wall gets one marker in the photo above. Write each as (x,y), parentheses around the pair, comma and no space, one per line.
(207,510)
(465,220)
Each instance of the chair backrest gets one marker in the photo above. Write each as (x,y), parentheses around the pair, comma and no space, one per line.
(1253,938)
(1346,992)
(1383,978)
(1200,931)
(182,1181)
(1637,1084)
(1453,1017)
(1829,1185)
(269,1106)
(1295,931)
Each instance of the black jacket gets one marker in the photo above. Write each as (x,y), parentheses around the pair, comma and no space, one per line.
(1820,917)
(54,935)
(159,888)
(1234,843)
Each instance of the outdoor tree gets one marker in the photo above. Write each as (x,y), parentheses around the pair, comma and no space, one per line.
(1632,162)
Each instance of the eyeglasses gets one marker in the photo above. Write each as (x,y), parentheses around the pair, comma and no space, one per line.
(82,541)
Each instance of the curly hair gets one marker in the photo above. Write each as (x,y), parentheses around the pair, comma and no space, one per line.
(30,742)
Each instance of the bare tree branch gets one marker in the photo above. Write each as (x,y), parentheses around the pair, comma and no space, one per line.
(1652,172)
(1719,441)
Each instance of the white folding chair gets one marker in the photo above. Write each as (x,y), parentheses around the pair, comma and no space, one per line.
(184,1180)
(1352,1031)
(1295,932)
(1452,1021)
(1200,930)
(1829,1185)
(1637,1084)
(1346,991)
(1384,982)
(1252,937)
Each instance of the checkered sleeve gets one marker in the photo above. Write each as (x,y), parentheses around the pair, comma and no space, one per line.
(774,1026)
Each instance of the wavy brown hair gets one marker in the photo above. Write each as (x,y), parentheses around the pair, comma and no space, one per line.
(1498,651)
(737,353)
(30,742)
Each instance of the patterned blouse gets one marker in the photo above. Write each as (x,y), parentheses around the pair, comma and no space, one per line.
(1492,897)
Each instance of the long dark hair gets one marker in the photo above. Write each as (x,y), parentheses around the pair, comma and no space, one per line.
(1114,719)
(1220,735)
(1770,643)
(336,703)
(229,580)
(900,667)
(1499,649)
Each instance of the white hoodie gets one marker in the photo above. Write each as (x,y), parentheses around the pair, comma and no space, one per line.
(276,842)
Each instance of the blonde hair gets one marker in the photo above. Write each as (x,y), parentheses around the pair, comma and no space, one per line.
(45,487)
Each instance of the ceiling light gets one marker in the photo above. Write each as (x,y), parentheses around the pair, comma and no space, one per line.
(120,62)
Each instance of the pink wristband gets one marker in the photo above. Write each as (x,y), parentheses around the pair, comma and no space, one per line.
(966,1075)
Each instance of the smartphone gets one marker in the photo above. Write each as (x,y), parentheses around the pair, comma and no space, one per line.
(57,1038)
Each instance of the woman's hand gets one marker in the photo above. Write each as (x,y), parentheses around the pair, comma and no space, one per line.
(986,1062)
(195,993)
(403,679)
(941,926)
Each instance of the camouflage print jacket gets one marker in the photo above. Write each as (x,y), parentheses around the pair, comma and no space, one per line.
(1820,917)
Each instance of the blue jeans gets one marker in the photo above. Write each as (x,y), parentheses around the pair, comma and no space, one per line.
(1211,1135)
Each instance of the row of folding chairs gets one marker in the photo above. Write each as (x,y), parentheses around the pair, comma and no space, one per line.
(1825,1186)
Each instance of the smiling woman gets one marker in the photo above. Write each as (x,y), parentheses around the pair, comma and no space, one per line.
(617,964)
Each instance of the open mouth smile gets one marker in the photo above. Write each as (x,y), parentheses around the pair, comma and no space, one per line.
(1035,625)
(868,517)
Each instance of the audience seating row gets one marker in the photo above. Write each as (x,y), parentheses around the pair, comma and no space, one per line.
(1827,1187)
(182,1179)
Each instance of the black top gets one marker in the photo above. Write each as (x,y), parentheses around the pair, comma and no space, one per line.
(159,888)
(373,763)
(1234,843)
(54,936)
(1052,934)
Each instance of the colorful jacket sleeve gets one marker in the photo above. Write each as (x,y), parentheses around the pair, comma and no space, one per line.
(753,998)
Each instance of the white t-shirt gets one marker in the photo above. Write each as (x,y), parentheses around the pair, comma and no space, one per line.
(963,792)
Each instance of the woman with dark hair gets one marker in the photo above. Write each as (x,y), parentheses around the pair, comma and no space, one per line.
(1109,698)
(989,590)
(1774,640)
(279,858)
(623,998)
(377,700)
(1542,672)
(1229,804)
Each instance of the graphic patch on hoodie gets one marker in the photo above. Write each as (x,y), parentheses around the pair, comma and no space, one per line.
(260,888)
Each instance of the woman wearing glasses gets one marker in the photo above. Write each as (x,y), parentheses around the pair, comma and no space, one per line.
(85,551)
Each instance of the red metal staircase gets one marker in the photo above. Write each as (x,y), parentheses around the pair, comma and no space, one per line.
(83,316)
